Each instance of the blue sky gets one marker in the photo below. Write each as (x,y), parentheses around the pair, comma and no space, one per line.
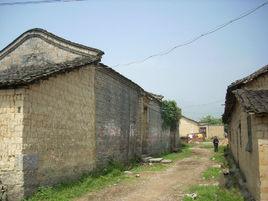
(196,76)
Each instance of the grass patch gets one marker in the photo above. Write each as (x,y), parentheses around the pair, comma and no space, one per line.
(214,193)
(65,192)
(219,156)
(149,168)
(184,152)
(207,145)
(212,173)
(114,173)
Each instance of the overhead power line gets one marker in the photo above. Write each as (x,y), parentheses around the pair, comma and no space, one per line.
(204,104)
(34,2)
(165,52)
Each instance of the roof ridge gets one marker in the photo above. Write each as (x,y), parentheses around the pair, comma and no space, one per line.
(250,77)
(37,32)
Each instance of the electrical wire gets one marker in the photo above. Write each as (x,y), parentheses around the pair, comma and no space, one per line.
(35,2)
(165,52)
(199,105)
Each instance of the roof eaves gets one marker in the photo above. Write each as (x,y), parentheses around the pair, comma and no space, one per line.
(51,70)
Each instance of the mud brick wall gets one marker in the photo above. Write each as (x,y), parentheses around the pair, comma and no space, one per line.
(117,118)
(260,83)
(11,115)
(263,153)
(249,161)
(59,129)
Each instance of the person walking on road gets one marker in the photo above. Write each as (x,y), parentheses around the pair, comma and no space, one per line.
(216,144)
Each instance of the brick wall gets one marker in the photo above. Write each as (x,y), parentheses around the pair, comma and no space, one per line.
(117,118)
(156,139)
(55,130)
(11,115)
(59,129)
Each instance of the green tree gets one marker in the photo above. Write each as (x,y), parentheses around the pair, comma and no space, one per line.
(171,114)
(211,120)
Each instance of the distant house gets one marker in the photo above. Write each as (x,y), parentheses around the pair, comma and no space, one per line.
(189,126)
(63,114)
(246,113)
(211,131)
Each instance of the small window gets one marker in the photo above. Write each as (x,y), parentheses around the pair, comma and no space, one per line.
(249,144)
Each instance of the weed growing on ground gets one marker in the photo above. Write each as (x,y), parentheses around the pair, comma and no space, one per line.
(206,146)
(68,191)
(112,174)
(219,156)
(184,152)
(212,173)
(212,193)
(149,168)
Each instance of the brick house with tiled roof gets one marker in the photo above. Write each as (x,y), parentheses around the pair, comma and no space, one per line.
(246,113)
(63,114)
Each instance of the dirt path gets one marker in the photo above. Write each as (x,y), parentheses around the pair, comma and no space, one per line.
(168,185)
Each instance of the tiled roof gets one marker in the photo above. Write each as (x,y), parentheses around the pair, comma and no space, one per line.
(230,97)
(18,76)
(37,66)
(249,78)
(255,101)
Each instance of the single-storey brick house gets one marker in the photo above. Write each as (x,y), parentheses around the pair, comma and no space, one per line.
(246,113)
(63,113)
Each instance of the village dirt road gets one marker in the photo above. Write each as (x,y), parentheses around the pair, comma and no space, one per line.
(168,185)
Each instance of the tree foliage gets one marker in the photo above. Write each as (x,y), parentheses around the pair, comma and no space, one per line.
(171,114)
(211,120)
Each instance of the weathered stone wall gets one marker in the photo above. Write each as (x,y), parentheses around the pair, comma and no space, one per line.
(156,139)
(187,126)
(117,118)
(59,129)
(11,128)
